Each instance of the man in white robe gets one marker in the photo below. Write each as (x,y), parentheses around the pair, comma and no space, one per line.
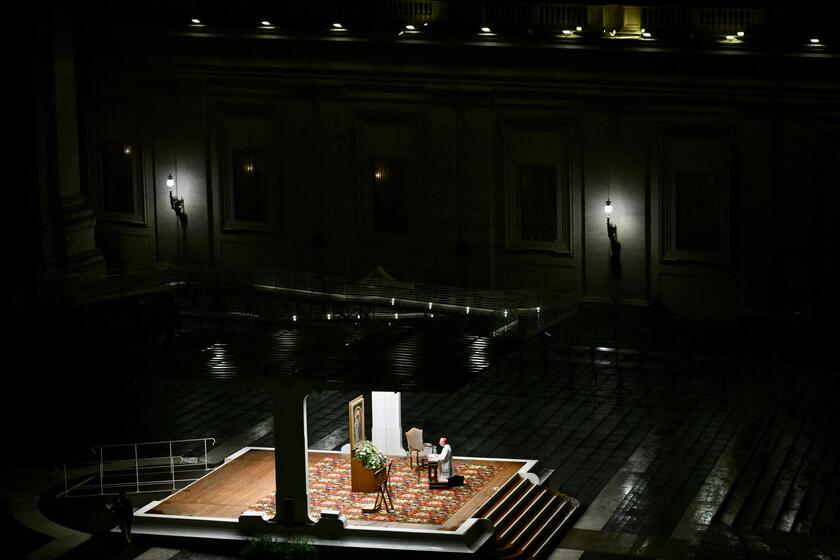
(444,459)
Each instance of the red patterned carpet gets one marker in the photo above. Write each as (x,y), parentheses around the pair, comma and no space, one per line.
(414,502)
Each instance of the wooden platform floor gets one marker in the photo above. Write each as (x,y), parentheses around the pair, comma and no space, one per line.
(236,486)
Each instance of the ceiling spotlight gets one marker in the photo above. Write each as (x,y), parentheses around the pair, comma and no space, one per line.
(485,30)
(410,27)
(195,21)
(338,26)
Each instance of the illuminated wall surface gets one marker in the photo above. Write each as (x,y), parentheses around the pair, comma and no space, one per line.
(467,144)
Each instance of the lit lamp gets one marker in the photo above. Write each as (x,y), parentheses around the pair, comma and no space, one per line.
(175,202)
(615,246)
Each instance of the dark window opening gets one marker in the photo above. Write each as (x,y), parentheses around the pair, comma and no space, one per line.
(389,200)
(249,186)
(698,213)
(538,194)
(118,177)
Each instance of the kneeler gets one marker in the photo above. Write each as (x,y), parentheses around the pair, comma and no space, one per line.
(383,478)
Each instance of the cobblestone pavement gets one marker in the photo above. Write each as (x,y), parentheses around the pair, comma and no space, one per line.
(660,428)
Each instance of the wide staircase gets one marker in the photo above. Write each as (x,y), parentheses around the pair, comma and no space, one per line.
(528,518)
(791,484)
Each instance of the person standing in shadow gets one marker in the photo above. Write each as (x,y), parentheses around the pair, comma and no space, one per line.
(124,514)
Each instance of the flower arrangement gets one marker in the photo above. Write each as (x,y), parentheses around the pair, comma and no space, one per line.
(369,455)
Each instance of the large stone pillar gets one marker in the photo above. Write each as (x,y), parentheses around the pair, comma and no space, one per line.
(67,219)
(291,454)
(386,417)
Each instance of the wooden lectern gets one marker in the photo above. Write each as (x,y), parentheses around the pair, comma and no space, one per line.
(362,479)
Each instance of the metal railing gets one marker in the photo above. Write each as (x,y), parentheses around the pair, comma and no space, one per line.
(157,466)
(98,286)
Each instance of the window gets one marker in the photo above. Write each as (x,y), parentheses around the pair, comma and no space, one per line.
(697,213)
(249,186)
(538,202)
(538,186)
(694,204)
(389,200)
(118,195)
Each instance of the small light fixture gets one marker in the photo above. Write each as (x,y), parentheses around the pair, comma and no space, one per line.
(249,167)
(265,23)
(170,182)
(815,41)
(612,33)
(426,24)
(396,315)
(567,32)
(578,28)
(730,37)
(392,301)
(538,309)
(338,26)
(196,21)
(486,30)
(177,205)
(468,310)
(430,305)
(127,150)
(646,34)
(329,316)
(410,27)
(294,318)
(615,246)
(740,34)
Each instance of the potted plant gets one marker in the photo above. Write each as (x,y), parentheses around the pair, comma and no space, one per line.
(369,455)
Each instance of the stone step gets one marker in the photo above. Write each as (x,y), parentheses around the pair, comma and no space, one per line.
(744,491)
(513,531)
(792,465)
(552,522)
(507,500)
(497,497)
(516,547)
(511,514)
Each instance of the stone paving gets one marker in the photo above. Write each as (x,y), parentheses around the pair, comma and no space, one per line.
(658,423)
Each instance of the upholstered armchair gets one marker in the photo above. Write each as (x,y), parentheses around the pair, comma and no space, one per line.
(416,447)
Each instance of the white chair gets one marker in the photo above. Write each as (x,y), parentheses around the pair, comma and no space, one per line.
(417,447)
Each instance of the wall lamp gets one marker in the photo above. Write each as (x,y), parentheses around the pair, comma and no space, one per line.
(615,246)
(175,202)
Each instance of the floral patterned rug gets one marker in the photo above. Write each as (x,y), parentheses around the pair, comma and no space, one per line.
(414,502)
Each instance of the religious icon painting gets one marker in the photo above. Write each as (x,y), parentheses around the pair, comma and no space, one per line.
(356,409)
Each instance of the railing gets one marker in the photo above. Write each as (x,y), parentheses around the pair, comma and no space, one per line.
(138,467)
(380,291)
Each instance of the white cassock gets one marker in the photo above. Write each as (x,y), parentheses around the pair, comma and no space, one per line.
(445,462)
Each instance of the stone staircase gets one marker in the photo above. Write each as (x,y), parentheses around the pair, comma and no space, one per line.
(528,518)
(790,487)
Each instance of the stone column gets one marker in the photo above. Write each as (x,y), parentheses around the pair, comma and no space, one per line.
(291,454)
(67,219)
(387,432)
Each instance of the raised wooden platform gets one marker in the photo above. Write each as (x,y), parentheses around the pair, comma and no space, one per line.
(235,487)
